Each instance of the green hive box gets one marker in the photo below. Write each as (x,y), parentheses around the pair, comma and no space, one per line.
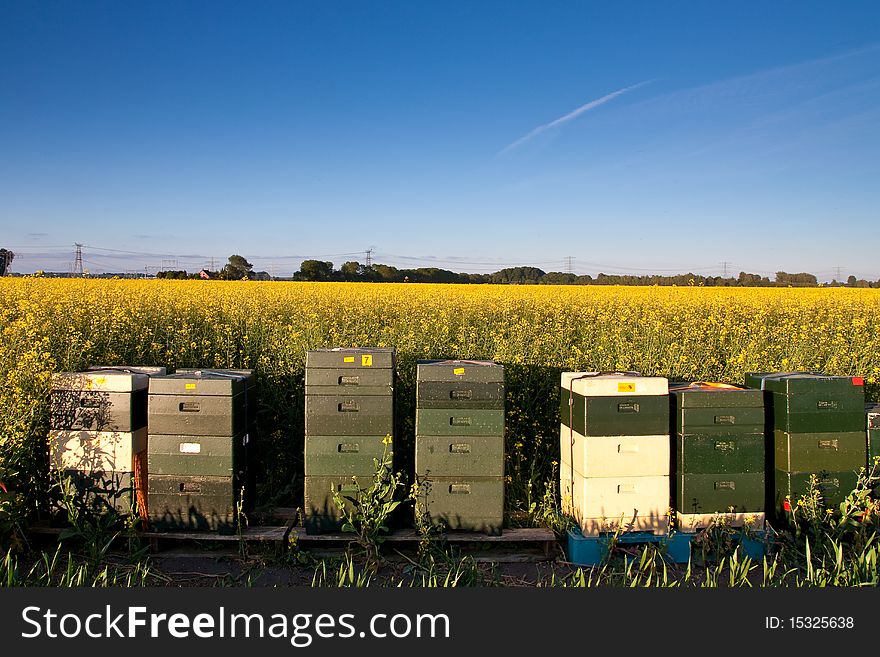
(466,456)
(349,415)
(811,403)
(463,503)
(250,387)
(644,415)
(459,422)
(459,371)
(345,381)
(459,394)
(872,412)
(332,456)
(354,358)
(192,502)
(210,456)
(834,486)
(815,452)
(718,430)
(198,415)
(710,454)
(720,493)
(201,403)
(453,384)
(321,513)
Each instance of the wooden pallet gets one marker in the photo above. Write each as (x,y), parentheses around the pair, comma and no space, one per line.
(513,545)
(277,535)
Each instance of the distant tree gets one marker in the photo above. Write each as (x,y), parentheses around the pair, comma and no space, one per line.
(352,271)
(6,258)
(386,273)
(260,276)
(315,270)
(557,278)
(518,275)
(178,274)
(802,279)
(236,269)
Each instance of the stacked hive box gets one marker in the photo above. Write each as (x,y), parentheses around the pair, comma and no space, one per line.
(614,449)
(460,443)
(349,415)
(817,426)
(197,456)
(247,482)
(719,455)
(99,435)
(872,412)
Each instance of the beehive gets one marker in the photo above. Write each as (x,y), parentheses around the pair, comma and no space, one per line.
(200,423)
(349,415)
(614,451)
(98,436)
(719,455)
(816,425)
(460,444)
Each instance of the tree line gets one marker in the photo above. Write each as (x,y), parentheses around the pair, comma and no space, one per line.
(317,270)
(238,268)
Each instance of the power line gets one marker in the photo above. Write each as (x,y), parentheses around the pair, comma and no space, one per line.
(569,264)
(724,265)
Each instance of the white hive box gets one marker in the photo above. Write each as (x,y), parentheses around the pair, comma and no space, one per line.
(93,451)
(613,456)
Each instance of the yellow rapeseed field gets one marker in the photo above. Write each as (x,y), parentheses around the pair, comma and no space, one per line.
(536,331)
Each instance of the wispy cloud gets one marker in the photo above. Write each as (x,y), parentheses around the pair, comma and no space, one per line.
(586,107)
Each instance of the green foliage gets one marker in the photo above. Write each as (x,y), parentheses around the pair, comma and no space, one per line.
(236,269)
(53,569)
(366,512)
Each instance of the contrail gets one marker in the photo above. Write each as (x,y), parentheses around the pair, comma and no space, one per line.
(570,116)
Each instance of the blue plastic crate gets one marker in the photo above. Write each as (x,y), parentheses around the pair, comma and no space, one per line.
(591,550)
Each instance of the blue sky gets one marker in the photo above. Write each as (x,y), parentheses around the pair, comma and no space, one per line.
(633,137)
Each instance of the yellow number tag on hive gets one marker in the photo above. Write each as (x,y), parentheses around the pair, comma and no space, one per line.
(626,387)
(348,359)
(458,371)
(189,386)
(367,360)
(100,381)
